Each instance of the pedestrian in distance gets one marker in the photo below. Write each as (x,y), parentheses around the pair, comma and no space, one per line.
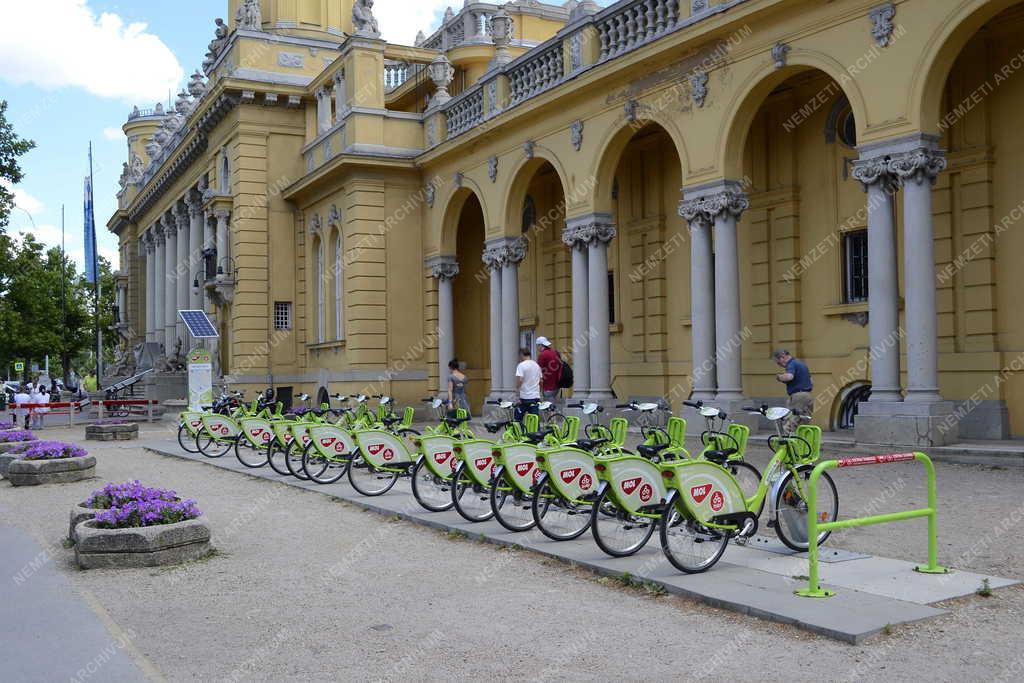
(22,398)
(551,368)
(457,381)
(44,397)
(528,378)
(799,387)
(35,398)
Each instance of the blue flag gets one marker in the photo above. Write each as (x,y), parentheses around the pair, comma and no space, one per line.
(91,269)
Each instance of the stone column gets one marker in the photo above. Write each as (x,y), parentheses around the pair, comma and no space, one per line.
(581,332)
(170,282)
(444,269)
(159,284)
(340,96)
(702,299)
(597,230)
(223,241)
(323,110)
(195,250)
(493,260)
(181,273)
(918,170)
(510,251)
(150,243)
(883,278)
(724,206)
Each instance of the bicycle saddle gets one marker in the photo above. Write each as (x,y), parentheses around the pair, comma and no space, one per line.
(536,437)
(454,421)
(495,427)
(720,457)
(652,450)
(388,421)
(590,444)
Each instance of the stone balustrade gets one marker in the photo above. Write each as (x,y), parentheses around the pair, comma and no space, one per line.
(630,26)
(539,71)
(465,112)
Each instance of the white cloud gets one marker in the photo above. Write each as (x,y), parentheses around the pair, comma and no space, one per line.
(63,43)
(22,199)
(113,133)
(399,21)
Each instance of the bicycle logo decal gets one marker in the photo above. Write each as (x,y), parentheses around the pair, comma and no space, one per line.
(700,493)
(570,474)
(586,482)
(630,485)
(383,451)
(717,501)
(523,468)
(328,442)
(196,424)
(482,463)
(646,492)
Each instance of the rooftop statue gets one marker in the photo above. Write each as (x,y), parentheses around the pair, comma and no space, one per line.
(249,16)
(363,20)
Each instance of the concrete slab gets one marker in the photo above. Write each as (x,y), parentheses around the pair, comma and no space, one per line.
(758,579)
(52,634)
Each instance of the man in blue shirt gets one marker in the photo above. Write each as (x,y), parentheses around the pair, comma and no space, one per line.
(797,378)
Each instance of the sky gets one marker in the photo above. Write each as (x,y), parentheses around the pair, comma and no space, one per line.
(71,71)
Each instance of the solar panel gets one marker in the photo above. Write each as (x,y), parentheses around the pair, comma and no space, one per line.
(198,324)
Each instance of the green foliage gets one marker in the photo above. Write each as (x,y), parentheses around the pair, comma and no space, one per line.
(30,306)
(985,590)
(11,147)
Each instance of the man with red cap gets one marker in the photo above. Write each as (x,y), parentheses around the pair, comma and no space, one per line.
(551,367)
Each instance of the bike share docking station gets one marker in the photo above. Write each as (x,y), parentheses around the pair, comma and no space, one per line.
(866,594)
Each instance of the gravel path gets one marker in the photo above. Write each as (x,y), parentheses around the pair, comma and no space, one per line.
(304,587)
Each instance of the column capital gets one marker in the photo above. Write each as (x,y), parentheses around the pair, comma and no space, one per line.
(505,251)
(181,212)
(443,267)
(705,203)
(194,202)
(922,164)
(592,228)
(222,214)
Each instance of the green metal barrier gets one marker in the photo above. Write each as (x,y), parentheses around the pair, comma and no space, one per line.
(814,528)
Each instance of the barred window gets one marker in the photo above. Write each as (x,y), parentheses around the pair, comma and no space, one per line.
(282,315)
(855,265)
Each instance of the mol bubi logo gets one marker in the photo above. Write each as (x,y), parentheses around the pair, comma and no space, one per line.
(570,474)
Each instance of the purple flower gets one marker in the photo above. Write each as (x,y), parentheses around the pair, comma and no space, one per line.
(12,436)
(118,495)
(6,425)
(138,513)
(53,450)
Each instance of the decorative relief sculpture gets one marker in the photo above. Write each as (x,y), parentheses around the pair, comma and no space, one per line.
(492,169)
(780,54)
(699,87)
(576,132)
(881,23)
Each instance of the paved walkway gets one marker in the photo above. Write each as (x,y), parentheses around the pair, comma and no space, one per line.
(873,593)
(51,632)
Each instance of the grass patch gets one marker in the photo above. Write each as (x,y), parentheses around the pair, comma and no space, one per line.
(801,577)
(455,534)
(985,589)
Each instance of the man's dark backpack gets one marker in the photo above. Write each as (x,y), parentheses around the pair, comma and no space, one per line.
(565,379)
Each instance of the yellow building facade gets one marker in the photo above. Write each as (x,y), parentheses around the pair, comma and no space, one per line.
(667,190)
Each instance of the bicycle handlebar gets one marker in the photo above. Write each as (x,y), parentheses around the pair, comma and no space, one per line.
(574,405)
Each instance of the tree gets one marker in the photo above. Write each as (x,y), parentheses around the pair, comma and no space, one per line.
(11,147)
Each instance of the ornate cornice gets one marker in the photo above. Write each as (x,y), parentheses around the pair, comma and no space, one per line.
(504,252)
(443,268)
(582,231)
(919,165)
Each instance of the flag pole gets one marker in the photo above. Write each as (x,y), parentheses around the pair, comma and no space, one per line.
(94,264)
(63,304)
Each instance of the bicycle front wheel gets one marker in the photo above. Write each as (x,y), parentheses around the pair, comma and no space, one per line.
(431,491)
(320,469)
(210,447)
(471,500)
(367,479)
(277,458)
(791,508)
(511,507)
(557,518)
(186,440)
(616,531)
(293,461)
(690,547)
(249,455)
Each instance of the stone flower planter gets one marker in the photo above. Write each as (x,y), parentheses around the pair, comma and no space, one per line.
(128,432)
(150,546)
(60,471)
(79,514)
(5,462)
(14,445)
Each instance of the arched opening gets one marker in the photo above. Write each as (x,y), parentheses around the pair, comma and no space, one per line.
(648,261)
(320,289)
(971,97)
(338,279)
(471,303)
(537,213)
(847,405)
(795,160)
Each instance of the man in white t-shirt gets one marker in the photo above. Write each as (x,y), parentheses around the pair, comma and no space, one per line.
(21,398)
(528,376)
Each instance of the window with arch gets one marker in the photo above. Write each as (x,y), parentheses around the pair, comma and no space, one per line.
(225,173)
(529,214)
(339,288)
